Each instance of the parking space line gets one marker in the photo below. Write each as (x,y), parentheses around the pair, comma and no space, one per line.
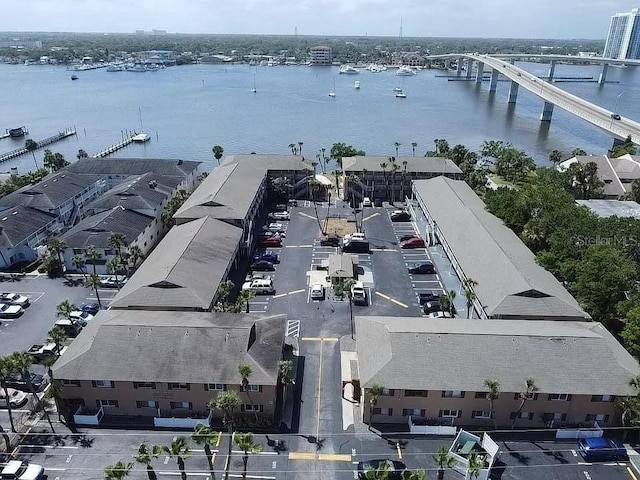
(307,215)
(631,473)
(370,216)
(393,300)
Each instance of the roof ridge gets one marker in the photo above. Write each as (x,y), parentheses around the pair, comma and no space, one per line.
(188,244)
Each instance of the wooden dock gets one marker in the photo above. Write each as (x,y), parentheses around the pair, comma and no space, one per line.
(117,146)
(42,143)
(7,132)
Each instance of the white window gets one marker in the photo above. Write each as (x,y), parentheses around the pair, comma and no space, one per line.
(453,394)
(481,414)
(559,396)
(146,404)
(383,411)
(103,384)
(252,408)
(71,383)
(450,413)
(416,412)
(185,405)
(107,403)
(215,387)
(179,386)
(252,388)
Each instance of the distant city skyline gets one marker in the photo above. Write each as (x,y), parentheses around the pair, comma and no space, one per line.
(441,18)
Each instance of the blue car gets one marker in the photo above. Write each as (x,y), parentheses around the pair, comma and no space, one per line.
(602,449)
(91,308)
(266,256)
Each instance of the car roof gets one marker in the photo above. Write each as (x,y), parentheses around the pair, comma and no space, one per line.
(597,442)
(12,467)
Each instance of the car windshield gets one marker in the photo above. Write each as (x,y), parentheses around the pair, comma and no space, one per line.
(4,307)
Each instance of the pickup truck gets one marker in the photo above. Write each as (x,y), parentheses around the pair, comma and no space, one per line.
(41,351)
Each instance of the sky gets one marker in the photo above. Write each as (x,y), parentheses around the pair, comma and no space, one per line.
(420,18)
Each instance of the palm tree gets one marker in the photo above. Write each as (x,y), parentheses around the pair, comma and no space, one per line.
(144,457)
(22,361)
(300,145)
(93,283)
(55,389)
(468,290)
(397,145)
(245,372)
(474,465)
(443,460)
(179,450)
(82,154)
(492,395)
(113,266)
(248,445)
(293,148)
(57,335)
(78,263)
(227,402)
(530,389)
(119,471)
(93,254)
(447,301)
(32,146)
(381,472)
(218,151)
(7,371)
(135,255)
(285,369)
(65,308)
(56,247)
(555,157)
(117,241)
(374,392)
(394,169)
(205,436)
(346,285)
(413,148)
(383,166)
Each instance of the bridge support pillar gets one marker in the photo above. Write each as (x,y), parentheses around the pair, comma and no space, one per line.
(469,67)
(494,80)
(603,73)
(479,72)
(552,70)
(513,92)
(459,67)
(547,112)
(512,61)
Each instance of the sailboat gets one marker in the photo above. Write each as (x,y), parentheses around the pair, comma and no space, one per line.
(356,85)
(332,93)
(141,137)
(254,90)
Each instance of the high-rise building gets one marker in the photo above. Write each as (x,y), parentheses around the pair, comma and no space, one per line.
(321,55)
(623,40)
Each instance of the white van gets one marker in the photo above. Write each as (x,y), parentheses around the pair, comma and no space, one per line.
(366,202)
(260,286)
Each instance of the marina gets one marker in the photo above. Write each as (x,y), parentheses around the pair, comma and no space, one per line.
(42,143)
(132,137)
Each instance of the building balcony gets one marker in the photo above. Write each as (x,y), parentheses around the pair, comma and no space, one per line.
(180,418)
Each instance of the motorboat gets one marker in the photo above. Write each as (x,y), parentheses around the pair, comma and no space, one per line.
(115,68)
(74,77)
(397,89)
(141,138)
(356,85)
(138,67)
(17,132)
(401,94)
(348,70)
(405,71)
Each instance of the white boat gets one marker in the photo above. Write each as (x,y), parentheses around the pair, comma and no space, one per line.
(356,85)
(401,94)
(137,68)
(141,138)
(332,93)
(348,70)
(115,68)
(405,71)
(254,90)
(397,89)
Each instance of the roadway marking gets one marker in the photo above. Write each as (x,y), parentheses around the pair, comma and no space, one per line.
(319,339)
(302,456)
(307,215)
(259,453)
(325,457)
(393,300)
(298,246)
(631,473)
(290,293)
(293,328)
(25,445)
(370,216)
(319,390)
(399,451)
(384,250)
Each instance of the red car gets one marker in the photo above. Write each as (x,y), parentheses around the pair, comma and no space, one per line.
(270,242)
(415,242)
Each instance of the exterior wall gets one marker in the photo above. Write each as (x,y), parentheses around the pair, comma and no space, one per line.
(126,397)
(575,409)
(18,253)
(321,55)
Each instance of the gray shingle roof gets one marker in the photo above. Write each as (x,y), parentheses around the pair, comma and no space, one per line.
(228,191)
(510,282)
(185,269)
(17,223)
(96,229)
(610,208)
(459,354)
(132,166)
(612,185)
(414,164)
(185,347)
(50,193)
(138,192)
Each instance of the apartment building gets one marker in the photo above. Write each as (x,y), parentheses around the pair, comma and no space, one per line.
(321,55)
(167,366)
(623,38)
(435,371)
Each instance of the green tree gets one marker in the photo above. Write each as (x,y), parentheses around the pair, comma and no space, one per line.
(54,161)
(442,147)
(82,154)
(555,157)
(413,148)
(93,255)
(447,300)
(294,149)
(625,148)
(397,145)
(631,332)
(443,461)
(117,241)
(474,465)
(577,152)
(374,393)
(381,472)
(7,371)
(281,188)
(245,372)
(119,471)
(56,247)
(227,403)
(135,256)
(32,146)
(172,206)
(65,308)
(78,263)
(469,291)
(300,147)
(285,369)
(492,395)
(93,282)
(179,450)
(341,150)
(57,336)
(145,456)
(218,151)
(22,361)
(586,183)
(203,435)
(114,266)
(247,444)
(527,394)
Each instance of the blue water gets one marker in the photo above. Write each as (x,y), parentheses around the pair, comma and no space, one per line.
(189,109)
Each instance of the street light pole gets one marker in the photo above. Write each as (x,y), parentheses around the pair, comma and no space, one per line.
(615,107)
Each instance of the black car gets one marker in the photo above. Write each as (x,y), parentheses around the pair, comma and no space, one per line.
(422,268)
(425,297)
(394,469)
(330,240)
(37,381)
(400,216)
(262,266)
(431,307)
(615,116)
(91,308)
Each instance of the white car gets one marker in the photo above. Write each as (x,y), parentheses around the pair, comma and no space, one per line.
(439,315)
(317,291)
(276,226)
(110,282)
(78,316)
(18,470)
(280,215)
(16,399)
(366,202)
(15,299)
(10,311)
(356,236)
(358,294)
